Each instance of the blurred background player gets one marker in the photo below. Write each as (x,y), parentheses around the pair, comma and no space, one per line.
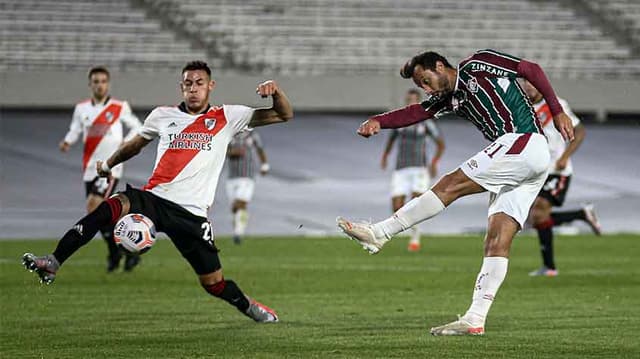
(412,176)
(241,183)
(99,120)
(556,186)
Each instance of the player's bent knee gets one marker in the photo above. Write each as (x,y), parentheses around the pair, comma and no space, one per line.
(238,205)
(494,246)
(454,185)
(500,232)
(124,203)
(210,279)
(93,202)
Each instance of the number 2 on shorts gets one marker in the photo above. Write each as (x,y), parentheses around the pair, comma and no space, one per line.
(206,232)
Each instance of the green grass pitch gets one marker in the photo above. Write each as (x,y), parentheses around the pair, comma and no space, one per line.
(334,300)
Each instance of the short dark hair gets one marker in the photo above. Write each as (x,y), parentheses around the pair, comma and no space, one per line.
(426,59)
(197,65)
(416,92)
(98,70)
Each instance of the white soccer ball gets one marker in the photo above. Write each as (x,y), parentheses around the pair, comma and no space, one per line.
(135,233)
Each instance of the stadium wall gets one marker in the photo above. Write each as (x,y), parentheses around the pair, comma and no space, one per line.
(319,93)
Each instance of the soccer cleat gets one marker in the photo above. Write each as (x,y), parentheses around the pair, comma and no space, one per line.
(45,267)
(413,247)
(131,261)
(592,218)
(237,239)
(113,262)
(459,327)
(544,271)
(361,233)
(261,313)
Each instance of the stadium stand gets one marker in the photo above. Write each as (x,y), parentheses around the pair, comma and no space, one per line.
(75,34)
(356,36)
(624,13)
(313,37)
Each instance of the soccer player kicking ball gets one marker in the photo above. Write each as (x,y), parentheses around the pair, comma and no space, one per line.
(412,176)
(484,90)
(556,186)
(99,120)
(193,139)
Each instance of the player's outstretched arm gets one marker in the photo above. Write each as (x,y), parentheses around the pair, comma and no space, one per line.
(125,152)
(402,117)
(281,111)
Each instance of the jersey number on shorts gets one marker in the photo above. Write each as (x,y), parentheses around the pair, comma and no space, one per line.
(490,151)
(206,233)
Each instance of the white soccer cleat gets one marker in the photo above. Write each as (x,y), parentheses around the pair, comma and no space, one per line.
(592,218)
(362,233)
(260,312)
(459,327)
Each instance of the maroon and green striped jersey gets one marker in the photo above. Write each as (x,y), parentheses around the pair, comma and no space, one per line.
(412,143)
(244,166)
(488,94)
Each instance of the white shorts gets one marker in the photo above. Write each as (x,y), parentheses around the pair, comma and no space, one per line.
(408,180)
(513,168)
(240,188)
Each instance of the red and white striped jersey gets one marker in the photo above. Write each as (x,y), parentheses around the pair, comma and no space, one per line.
(557,144)
(101,128)
(191,152)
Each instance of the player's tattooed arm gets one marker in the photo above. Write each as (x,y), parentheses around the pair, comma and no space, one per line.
(281,111)
(122,154)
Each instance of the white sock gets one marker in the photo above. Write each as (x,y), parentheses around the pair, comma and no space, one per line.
(415,234)
(415,211)
(240,220)
(491,275)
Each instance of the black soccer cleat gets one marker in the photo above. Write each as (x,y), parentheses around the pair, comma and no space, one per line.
(113,262)
(237,239)
(45,267)
(131,261)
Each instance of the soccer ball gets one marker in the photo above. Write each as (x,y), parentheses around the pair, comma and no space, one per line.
(135,233)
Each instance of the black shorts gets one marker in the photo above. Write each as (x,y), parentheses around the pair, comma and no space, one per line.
(100,186)
(191,234)
(555,189)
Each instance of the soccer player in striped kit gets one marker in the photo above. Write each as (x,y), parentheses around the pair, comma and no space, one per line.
(240,181)
(192,140)
(412,175)
(482,88)
(556,186)
(99,120)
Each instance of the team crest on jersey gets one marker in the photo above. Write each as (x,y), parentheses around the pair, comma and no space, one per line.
(210,123)
(109,116)
(472,84)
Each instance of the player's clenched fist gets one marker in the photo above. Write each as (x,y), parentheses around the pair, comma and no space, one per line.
(267,88)
(369,128)
(103,169)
